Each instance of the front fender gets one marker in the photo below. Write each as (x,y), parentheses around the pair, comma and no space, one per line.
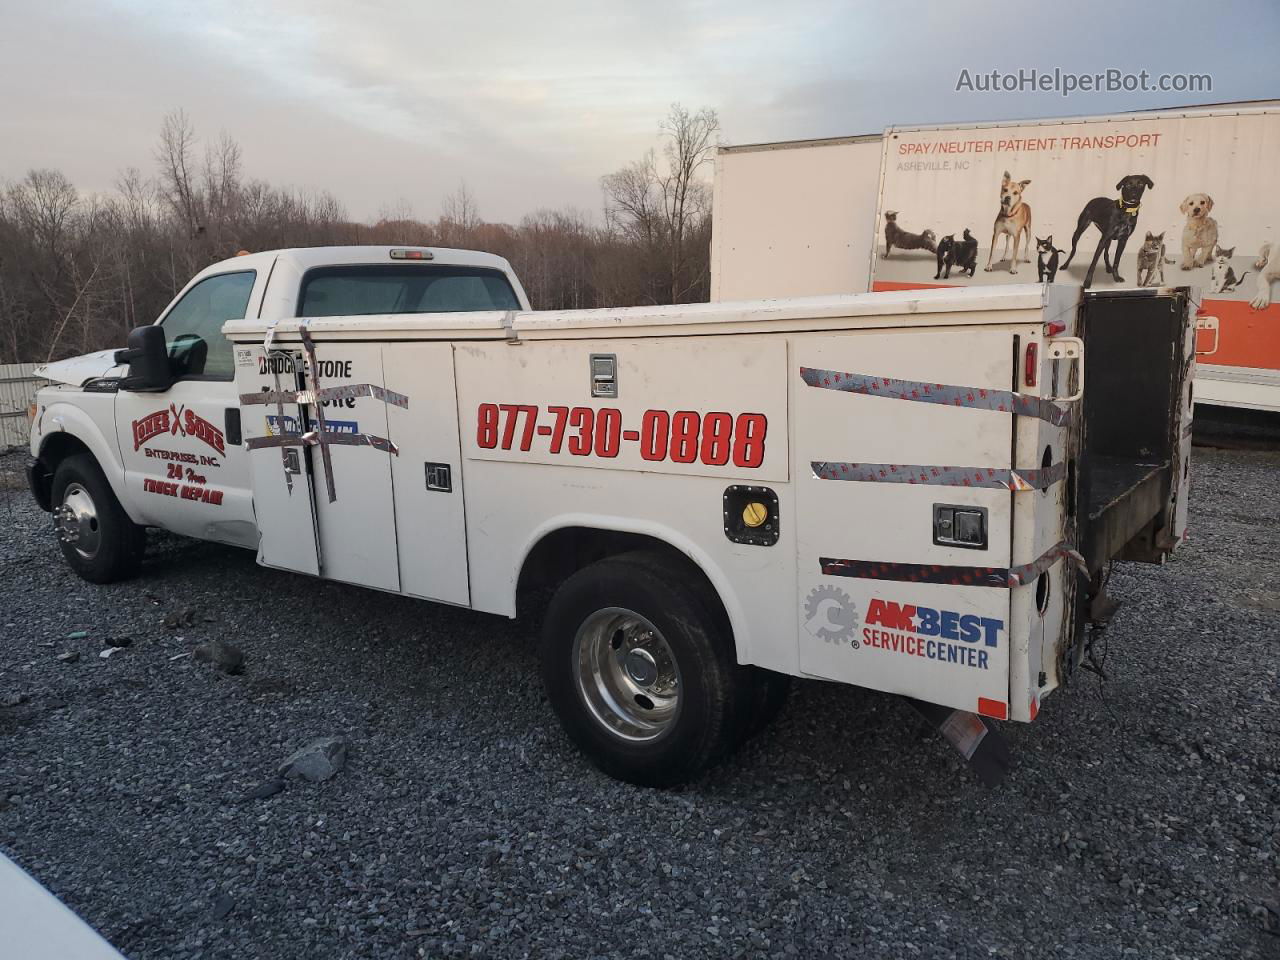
(90,419)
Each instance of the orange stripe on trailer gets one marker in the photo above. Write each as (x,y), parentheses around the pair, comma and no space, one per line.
(879,286)
(997,709)
(1246,337)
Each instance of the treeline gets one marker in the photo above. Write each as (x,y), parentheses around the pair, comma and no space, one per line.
(78,271)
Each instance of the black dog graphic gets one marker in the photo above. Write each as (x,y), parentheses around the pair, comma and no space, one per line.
(1116,219)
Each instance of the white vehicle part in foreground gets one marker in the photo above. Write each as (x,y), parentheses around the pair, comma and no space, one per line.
(38,926)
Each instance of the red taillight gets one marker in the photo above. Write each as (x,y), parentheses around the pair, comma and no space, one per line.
(1055,327)
(1029,372)
(412,255)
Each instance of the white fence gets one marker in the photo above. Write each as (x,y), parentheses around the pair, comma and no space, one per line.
(18,386)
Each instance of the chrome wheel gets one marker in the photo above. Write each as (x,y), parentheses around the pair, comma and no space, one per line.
(77,521)
(627,674)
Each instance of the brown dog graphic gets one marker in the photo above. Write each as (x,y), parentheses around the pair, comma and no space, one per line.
(1013,222)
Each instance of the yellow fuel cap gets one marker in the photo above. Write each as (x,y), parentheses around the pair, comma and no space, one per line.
(755,513)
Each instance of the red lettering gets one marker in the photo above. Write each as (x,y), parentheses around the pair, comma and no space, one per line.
(200,428)
(150,426)
(892,615)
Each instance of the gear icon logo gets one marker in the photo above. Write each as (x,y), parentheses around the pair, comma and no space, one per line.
(830,614)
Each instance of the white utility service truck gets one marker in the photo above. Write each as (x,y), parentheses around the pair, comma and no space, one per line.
(917,492)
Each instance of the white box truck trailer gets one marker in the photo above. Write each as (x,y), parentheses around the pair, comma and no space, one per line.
(1194,191)
(916,492)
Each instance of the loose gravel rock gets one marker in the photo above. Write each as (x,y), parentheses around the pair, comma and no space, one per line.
(221,655)
(318,761)
(1140,818)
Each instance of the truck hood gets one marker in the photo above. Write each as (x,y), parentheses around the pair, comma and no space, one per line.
(89,366)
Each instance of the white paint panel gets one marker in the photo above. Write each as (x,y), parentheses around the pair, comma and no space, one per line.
(794,222)
(179,471)
(285,510)
(696,377)
(510,506)
(893,522)
(430,523)
(357,530)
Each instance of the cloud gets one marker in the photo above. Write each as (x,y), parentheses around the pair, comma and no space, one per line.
(531,103)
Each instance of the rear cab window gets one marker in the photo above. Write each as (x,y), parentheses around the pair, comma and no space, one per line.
(364,289)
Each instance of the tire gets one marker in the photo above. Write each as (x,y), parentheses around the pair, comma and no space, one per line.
(97,537)
(769,696)
(615,636)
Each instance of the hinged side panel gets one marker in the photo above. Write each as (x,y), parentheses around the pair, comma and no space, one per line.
(888,427)
(279,475)
(427,472)
(357,527)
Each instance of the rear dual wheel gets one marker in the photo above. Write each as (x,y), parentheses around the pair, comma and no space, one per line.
(639,666)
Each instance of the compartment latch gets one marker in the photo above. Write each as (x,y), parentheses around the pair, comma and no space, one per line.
(1211,324)
(1067,348)
(604,375)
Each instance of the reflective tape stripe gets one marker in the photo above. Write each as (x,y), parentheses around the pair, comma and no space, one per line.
(349,392)
(314,437)
(950,575)
(941,476)
(979,398)
(363,390)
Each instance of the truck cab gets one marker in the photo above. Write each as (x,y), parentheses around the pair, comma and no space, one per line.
(168,448)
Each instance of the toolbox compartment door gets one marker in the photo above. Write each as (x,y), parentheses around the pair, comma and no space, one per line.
(881,603)
(280,477)
(426,475)
(358,527)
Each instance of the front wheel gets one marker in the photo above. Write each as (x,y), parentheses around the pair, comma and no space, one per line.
(97,537)
(640,670)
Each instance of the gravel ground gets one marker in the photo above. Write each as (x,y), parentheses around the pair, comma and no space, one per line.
(1140,819)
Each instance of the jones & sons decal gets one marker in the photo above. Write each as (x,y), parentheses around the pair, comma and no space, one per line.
(177,421)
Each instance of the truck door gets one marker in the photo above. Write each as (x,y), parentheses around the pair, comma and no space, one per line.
(181,468)
(903,459)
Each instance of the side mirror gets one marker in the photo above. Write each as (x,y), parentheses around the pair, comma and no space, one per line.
(148,360)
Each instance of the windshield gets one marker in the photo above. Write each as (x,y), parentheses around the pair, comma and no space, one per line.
(403,288)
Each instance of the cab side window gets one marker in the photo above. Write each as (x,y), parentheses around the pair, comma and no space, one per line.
(193,328)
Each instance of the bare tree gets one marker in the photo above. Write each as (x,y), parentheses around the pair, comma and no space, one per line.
(221,186)
(175,155)
(665,207)
(459,216)
(691,138)
(633,201)
(76,272)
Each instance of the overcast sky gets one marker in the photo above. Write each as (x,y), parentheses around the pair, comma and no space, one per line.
(530,102)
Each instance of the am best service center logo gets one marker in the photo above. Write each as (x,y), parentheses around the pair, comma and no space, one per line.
(912,630)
